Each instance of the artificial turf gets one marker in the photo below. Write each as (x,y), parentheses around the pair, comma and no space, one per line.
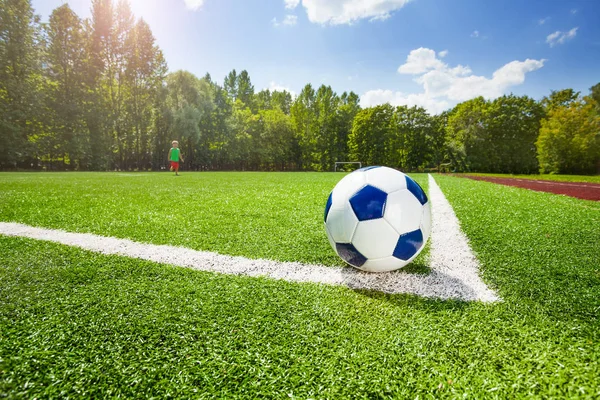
(79,324)
(275,216)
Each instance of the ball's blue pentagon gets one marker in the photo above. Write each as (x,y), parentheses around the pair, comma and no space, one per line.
(368,168)
(408,245)
(349,254)
(328,206)
(416,190)
(368,203)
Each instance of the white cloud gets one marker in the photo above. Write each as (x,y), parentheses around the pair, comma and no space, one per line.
(551,38)
(379,96)
(559,37)
(291,4)
(574,11)
(289,20)
(337,12)
(443,53)
(475,34)
(275,87)
(194,4)
(444,85)
(542,21)
(419,61)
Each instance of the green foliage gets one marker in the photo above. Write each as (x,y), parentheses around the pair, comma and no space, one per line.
(103,101)
(513,124)
(569,140)
(231,84)
(370,131)
(404,138)
(303,122)
(438,146)
(146,70)
(282,100)
(409,144)
(559,98)
(277,139)
(495,136)
(465,125)
(65,134)
(595,94)
(20,81)
(245,89)
(189,103)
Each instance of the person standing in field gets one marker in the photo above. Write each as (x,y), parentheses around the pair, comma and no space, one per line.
(175,156)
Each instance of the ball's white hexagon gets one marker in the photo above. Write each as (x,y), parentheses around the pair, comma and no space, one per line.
(330,238)
(375,238)
(387,179)
(383,264)
(341,223)
(426,221)
(346,187)
(403,211)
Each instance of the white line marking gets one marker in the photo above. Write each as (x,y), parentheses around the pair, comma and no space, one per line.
(450,252)
(454,269)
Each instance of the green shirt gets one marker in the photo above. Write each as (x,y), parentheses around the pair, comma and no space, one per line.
(175,154)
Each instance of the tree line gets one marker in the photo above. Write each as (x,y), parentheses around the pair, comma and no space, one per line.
(96,94)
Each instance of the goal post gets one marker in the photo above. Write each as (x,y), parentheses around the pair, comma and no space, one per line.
(346,162)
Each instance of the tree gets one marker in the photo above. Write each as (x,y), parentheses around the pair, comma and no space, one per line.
(408,142)
(162,123)
(262,100)
(112,27)
(559,98)
(324,152)
(495,136)
(303,123)
(245,89)
(281,100)
(217,132)
(189,100)
(466,135)
(348,107)
(569,140)
(513,124)
(65,91)
(595,94)
(371,130)
(145,73)
(231,85)
(96,103)
(20,80)
(244,147)
(437,143)
(277,139)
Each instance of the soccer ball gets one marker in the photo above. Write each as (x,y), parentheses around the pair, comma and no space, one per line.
(377,219)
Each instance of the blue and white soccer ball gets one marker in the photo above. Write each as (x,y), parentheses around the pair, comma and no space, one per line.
(377,219)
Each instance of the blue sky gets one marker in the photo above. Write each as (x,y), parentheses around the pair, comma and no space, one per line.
(432,53)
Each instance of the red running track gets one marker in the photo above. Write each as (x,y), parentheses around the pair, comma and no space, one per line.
(580,190)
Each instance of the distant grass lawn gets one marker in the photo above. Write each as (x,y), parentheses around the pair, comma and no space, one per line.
(82,325)
(547,177)
(254,214)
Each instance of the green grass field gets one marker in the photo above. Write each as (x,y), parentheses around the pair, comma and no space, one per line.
(78,324)
(548,177)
